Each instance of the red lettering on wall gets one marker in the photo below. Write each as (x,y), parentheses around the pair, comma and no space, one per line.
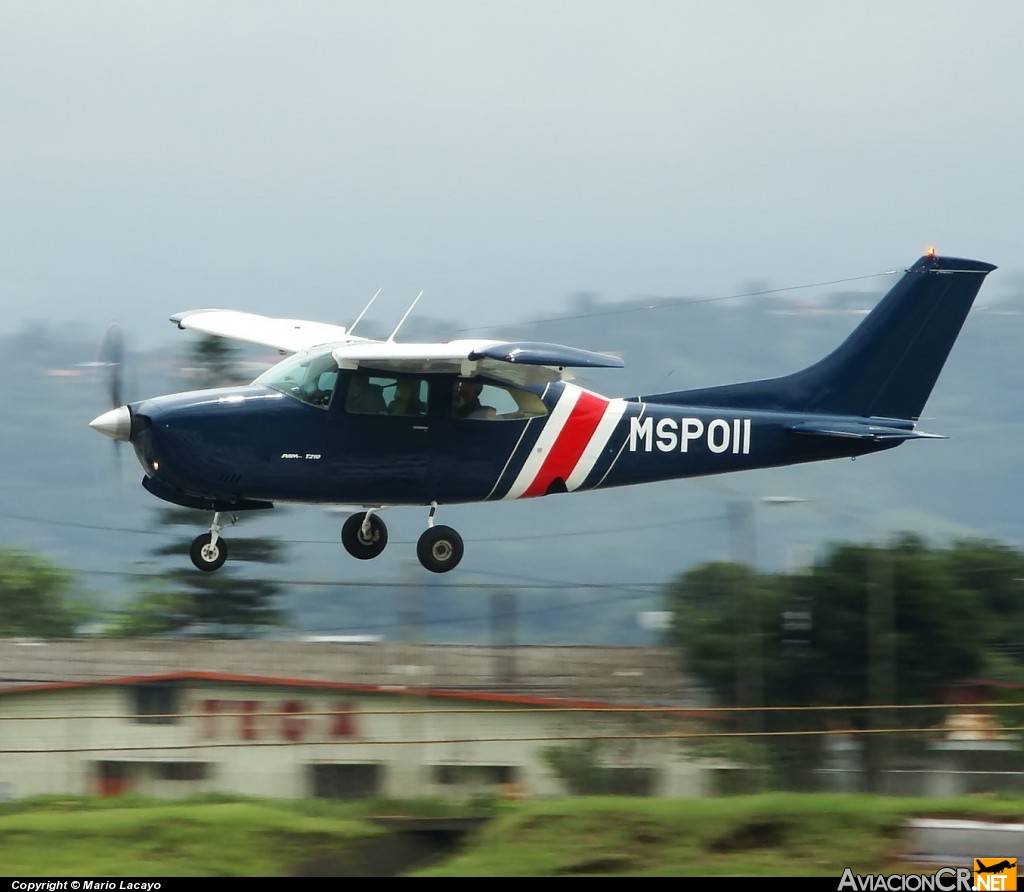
(343,721)
(210,708)
(293,728)
(247,729)
(286,719)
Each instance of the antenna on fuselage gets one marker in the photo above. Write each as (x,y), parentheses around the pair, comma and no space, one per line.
(351,328)
(406,316)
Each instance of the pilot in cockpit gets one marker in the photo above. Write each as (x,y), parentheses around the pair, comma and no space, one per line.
(467,401)
(406,400)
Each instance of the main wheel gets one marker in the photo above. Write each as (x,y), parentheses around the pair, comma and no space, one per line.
(362,546)
(208,555)
(440,549)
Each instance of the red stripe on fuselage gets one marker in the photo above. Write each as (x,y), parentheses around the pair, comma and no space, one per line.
(572,440)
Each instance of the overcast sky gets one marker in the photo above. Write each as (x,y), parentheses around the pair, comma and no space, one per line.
(290,158)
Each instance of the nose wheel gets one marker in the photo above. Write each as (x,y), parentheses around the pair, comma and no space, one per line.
(209,550)
(208,554)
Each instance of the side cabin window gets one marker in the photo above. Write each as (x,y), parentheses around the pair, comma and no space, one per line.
(401,395)
(477,400)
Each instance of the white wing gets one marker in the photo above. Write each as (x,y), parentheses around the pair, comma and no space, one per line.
(520,362)
(516,362)
(287,335)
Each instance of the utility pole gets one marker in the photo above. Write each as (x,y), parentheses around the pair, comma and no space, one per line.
(881,631)
(749,681)
(503,634)
(747,606)
(411,613)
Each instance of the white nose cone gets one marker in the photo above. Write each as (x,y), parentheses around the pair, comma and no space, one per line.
(116,424)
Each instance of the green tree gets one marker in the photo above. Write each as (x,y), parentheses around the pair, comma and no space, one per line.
(227,603)
(156,611)
(213,362)
(580,767)
(994,573)
(36,597)
(874,625)
(713,610)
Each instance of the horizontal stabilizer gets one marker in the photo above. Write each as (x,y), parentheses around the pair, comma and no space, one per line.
(861,430)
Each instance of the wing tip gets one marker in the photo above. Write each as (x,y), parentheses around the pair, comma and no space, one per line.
(178,318)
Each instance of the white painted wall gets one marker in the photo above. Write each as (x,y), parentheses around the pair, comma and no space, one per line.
(242,731)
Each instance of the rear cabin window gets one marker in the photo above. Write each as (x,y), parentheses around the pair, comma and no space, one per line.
(476,400)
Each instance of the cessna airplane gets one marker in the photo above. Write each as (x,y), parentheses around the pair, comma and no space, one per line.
(348,420)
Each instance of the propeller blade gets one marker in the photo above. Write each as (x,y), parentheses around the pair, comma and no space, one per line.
(112,361)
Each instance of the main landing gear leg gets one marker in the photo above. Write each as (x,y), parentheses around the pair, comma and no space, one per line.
(364,535)
(440,548)
(209,551)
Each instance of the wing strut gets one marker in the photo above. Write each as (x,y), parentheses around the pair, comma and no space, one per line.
(401,321)
(363,313)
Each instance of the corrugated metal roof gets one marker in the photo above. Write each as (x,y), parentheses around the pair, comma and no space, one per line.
(637,676)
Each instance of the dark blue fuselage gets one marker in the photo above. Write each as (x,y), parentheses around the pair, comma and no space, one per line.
(234,447)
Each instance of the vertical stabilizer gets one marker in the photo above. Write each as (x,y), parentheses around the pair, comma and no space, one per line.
(888,365)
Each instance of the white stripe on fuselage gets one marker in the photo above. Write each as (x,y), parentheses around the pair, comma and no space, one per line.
(622,448)
(512,454)
(556,421)
(606,427)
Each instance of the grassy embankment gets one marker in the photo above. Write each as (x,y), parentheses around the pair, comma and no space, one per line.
(770,835)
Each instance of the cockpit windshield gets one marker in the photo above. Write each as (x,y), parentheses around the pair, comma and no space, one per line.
(309,377)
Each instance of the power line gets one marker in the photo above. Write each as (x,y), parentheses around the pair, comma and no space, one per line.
(623,592)
(333,583)
(679,302)
(162,530)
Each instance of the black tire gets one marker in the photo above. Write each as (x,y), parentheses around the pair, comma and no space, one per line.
(440,549)
(360,546)
(207,556)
